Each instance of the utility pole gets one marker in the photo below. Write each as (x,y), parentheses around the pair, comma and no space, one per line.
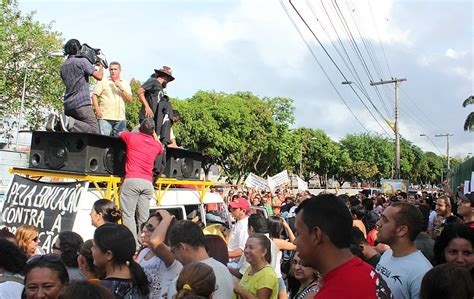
(447,150)
(396,125)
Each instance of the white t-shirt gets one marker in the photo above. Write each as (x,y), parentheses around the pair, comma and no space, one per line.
(159,277)
(239,235)
(224,284)
(10,290)
(403,274)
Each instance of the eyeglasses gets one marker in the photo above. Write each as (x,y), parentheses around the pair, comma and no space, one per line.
(53,258)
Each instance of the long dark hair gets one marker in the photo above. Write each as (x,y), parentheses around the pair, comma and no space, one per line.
(120,241)
(450,232)
(275,227)
(72,47)
(110,212)
(86,252)
(69,244)
(12,258)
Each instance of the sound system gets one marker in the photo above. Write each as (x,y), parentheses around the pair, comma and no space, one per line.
(81,153)
(182,164)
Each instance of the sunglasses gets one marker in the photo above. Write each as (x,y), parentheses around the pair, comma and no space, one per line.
(52,258)
(149,227)
(35,239)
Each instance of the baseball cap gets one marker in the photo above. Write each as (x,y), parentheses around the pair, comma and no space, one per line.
(240,202)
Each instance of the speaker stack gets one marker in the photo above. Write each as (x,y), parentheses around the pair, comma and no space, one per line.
(92,154)
(81,153)
(183,164)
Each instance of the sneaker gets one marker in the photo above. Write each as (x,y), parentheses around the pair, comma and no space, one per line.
(51,123)
(63,122)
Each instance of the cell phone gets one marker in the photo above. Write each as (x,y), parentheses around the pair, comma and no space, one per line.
(232,264)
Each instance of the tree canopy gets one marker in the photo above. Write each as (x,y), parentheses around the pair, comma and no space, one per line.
(25,48)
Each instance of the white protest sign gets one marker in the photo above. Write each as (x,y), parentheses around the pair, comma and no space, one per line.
(466,187)
(302,185)
(278,180)
(472,181)
(254,181)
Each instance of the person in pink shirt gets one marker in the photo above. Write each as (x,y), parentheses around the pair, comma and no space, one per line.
(137,189)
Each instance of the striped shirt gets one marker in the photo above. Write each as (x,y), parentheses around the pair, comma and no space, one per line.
(75,73)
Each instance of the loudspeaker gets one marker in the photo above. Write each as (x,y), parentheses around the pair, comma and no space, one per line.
(183,164)
(82,153)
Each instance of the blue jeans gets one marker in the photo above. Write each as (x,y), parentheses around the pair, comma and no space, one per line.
(111,127)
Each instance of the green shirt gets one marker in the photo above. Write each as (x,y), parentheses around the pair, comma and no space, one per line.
(265,278)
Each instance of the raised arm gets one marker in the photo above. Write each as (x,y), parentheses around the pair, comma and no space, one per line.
(157,240)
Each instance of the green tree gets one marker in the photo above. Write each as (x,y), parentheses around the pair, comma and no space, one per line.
(362,170)
(430,168)
(239,132)
(321,155)
(410,159)
(132,109)
(24,48)
(375,150)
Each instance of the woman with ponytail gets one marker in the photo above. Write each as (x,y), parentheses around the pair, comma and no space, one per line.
(105,211)
(196,280)
(113,250)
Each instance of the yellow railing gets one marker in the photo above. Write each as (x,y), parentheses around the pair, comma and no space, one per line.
(200,186)
(112,183)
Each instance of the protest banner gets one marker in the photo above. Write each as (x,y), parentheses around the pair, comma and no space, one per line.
(277,180)
(472,182)
(391,186)
(51,207)
(302,185)
(254,181)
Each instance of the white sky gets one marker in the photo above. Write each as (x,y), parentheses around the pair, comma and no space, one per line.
(251,45)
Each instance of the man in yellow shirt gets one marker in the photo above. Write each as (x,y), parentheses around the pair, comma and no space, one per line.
(109,98)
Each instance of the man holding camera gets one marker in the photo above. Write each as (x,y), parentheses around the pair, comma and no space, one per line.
(109,98)
(75,72)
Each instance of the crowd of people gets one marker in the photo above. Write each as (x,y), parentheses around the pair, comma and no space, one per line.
(276,245)
(324,246)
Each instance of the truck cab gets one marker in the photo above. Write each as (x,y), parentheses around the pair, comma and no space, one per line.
(183,203)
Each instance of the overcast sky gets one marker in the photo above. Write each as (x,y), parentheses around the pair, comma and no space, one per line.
(252,45)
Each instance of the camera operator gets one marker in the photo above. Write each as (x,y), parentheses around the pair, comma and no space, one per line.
(75,72)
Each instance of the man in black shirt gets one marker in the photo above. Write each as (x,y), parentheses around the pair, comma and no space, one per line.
(155,104)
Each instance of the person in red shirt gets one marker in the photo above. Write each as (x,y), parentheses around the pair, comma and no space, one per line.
(323,225)
(137,188)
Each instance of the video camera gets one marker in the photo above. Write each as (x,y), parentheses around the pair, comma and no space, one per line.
(93,55)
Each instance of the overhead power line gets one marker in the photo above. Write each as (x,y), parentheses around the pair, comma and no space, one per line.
(320,65)
(380,40)
(338,68)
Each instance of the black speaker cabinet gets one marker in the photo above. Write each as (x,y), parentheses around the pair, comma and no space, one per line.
(77,153)
(183,164)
